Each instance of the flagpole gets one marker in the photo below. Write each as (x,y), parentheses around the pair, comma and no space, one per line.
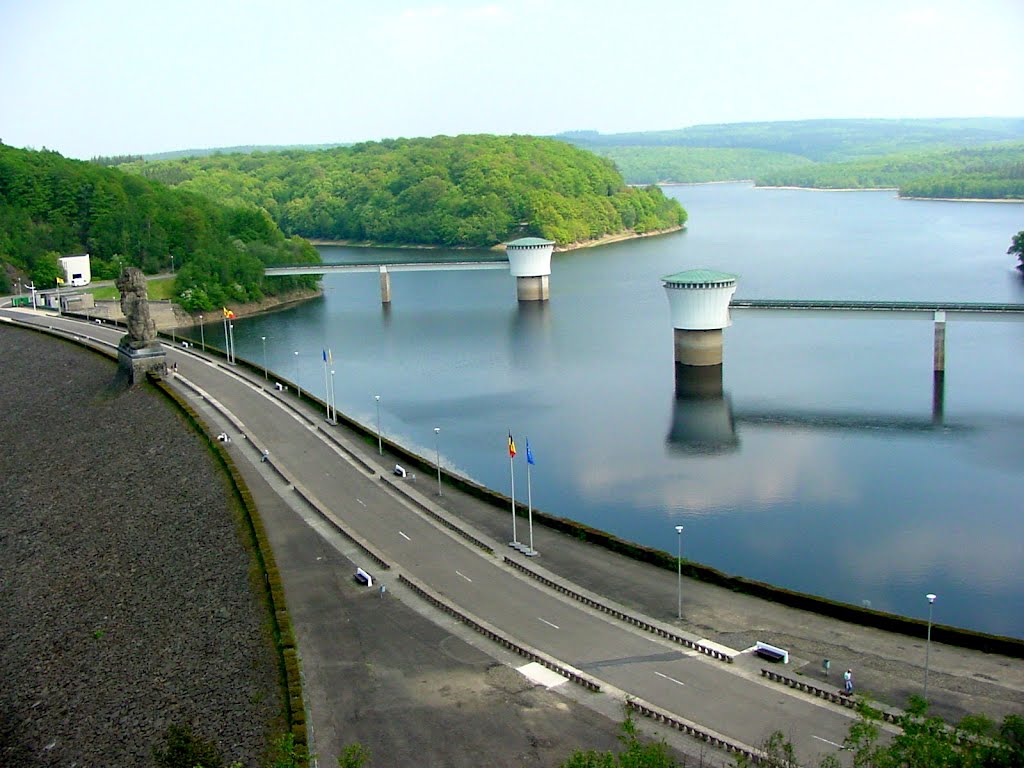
(512,473)
(529,502)
(327,388)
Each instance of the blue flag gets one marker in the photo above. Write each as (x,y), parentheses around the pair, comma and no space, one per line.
(325,355)
(529,453)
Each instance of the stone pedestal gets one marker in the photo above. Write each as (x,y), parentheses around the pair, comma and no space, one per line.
(136,363)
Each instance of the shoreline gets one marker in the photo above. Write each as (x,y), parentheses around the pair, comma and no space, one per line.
(604,240)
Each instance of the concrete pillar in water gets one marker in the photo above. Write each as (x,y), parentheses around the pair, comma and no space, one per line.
(699,303)
(385,285)
(529,261)
(939,368)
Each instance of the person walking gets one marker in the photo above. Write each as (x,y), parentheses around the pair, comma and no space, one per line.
(848,682)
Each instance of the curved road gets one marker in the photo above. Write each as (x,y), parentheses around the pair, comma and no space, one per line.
(729,699)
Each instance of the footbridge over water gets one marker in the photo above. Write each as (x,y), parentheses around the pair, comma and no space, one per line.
(528,260)
(701,304)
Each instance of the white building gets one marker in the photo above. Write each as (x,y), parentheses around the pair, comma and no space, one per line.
(76,269)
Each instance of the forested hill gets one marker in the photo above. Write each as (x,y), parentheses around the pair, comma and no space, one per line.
(821,141)
(475,190)
(971,158)
(51,206)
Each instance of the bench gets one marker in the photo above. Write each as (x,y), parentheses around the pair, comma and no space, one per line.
(771,652)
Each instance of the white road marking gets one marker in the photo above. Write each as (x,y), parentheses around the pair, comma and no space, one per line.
(677,682)
(548,623)
(464,576)
(361,502)
(404,536)
(826,741)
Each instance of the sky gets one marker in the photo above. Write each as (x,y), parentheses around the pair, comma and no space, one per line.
(106,77)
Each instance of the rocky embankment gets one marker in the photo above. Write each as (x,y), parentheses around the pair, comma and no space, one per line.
(125,596)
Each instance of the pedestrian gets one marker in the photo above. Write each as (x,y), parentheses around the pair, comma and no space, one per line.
(382,591)
(265,456)
(848,682)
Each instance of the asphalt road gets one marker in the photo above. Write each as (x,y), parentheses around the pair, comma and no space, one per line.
(729,699)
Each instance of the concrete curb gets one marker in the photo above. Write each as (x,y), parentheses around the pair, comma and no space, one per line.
(570,673)
(692,729)
(621,615)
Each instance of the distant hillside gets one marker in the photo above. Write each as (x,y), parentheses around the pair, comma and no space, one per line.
(456,191)
(821,140)
(918,156)
(909,170)
(52,206)
(243,149)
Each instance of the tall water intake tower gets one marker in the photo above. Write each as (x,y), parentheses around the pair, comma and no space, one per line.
(699,303)
(529,260)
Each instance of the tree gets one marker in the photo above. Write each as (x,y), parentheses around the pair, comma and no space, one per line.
(184,749)
(1017,249)
(635,755)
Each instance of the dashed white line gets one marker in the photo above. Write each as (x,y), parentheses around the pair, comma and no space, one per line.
(464,576)
(677,682)
(826,741)
(361,502)
(548,623)
(404,536)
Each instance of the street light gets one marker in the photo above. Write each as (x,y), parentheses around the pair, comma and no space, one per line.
(679,571)
(437,449)
(380,444)
(264,340)
(927,644)
(298,386)
(202,333)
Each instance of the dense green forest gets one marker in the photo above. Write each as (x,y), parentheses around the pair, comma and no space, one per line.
(970,158)
(984,172)
(457,191)
(52,206)
(823,141)
(665,165)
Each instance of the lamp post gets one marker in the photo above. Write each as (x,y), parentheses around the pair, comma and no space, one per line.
(679,571)
(264,340)
(298,386)
(380,443)
(927,643)
(202,333)
(437,450)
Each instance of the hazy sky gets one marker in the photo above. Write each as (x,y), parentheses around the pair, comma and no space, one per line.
(92,77)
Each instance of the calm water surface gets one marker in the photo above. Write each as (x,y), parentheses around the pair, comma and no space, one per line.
(820,470)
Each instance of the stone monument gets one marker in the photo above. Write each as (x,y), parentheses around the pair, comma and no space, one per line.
(139,352)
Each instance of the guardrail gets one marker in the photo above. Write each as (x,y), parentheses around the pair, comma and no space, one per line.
(621,615)
(570,673)
(834,696)
(435,515)
(692,729)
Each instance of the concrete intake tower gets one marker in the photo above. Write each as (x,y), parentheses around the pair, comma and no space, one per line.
(529,260)
(699,303)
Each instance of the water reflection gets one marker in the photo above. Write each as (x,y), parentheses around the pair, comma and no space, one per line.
(702,419)
(530,335)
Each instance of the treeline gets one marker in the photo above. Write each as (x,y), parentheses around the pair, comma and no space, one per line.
(985,172)
(666,165)
(476,190)
(52,206)
(826,141)
(971,158)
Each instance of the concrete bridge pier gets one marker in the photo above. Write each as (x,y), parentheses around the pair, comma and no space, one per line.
(529,261)
(385,285)
(939,368)
(699,304)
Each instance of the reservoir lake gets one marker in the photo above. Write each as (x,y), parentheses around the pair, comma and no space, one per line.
(822,468)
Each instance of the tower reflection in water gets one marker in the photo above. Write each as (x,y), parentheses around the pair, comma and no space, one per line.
(702,418)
